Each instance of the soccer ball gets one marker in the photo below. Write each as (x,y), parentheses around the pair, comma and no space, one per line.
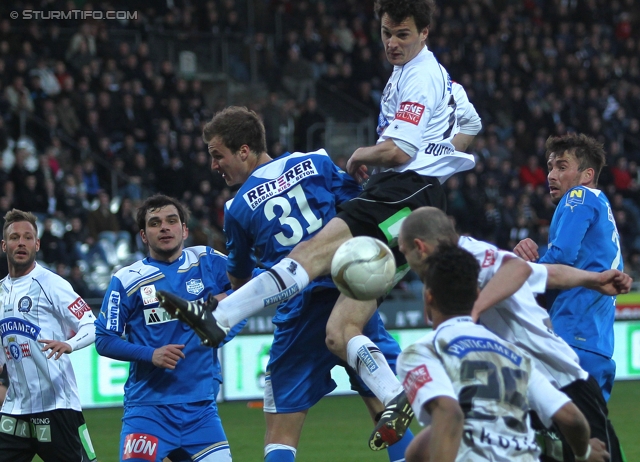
(363,268)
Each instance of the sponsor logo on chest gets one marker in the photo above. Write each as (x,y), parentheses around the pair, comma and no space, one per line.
(148,295)
(15,350)
(156,316)
(258,194)
(17,326)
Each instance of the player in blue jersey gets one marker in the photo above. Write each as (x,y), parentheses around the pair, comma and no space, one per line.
(280,203)
(170,396)
(582,234)
(420,145)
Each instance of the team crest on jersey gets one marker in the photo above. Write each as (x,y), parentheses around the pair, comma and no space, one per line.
(148,295)
(410,112)
(156,316)
(415,380)
(79,307)
(489,258)
(287,180)
(25,304)
(140,446)
(15,350)
(576,197)
(195,286)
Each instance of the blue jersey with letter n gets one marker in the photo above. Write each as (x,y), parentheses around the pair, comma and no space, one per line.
(284,201)
(583,234)
(130,306)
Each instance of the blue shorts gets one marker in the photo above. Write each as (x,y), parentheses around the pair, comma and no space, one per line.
(600,367)
(299,368)
(182,432)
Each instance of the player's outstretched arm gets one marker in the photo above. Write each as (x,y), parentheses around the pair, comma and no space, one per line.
(575,429)
(609,282)
(511,275)
(440,441)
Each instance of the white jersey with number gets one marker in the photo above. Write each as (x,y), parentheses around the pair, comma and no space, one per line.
(418,108)
(520,320)
(39,305)
(493,381)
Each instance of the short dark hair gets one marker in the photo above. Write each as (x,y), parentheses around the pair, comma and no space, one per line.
(237,126)
(15,216)
(398,10)
(451,275)
(158,201)
(588,151)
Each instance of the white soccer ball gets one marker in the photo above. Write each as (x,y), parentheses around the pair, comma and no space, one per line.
(363,268)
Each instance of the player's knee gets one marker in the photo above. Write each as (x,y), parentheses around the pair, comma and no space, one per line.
(335,342)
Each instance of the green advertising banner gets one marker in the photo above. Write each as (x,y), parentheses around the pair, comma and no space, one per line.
(101,380)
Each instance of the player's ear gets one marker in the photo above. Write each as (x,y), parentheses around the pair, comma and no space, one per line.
(185,231)
(587,176)
(4,246)
(143,236)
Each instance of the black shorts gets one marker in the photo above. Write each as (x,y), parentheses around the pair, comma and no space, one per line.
(387,199)
(56,436)
(587,397)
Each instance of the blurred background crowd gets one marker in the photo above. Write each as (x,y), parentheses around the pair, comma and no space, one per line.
(97,114)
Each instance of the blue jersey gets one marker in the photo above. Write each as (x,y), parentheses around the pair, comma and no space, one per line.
(130,306)
(283,202)
(583,234)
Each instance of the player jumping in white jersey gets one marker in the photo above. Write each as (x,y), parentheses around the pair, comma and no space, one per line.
(419,147)
(473,387)
(42,320)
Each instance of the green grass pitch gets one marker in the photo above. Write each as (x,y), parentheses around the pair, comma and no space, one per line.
(336,429)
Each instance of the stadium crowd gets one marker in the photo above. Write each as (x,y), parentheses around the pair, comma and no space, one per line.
(77,104)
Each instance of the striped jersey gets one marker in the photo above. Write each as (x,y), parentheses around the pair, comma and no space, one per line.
(493,381)
(418,107)
(39,305)
(520,320)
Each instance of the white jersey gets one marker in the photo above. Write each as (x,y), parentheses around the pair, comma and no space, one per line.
(39,305)
(494,383)
(418,108)
(520,320)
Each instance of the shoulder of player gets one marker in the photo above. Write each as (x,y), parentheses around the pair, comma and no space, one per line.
(47,277)
(198,252)
(131,275)
(583,196)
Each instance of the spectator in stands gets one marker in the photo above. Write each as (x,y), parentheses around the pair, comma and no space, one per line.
(52,247)
(102,222)
(297,76)
(532,173)
(309,128)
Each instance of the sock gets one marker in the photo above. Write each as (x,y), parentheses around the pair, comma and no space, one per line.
(372,367)
(396,451)
(280,283)
(282,453)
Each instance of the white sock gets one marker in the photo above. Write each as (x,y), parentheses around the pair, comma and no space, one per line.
(280,283)
(372,367)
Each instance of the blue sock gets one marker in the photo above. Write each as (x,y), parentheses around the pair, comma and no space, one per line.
(396,451)
(281,453)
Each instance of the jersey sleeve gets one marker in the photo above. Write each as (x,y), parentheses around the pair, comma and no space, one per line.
(468,118)
(110,326)
(424,378)
(544,398)
(74,310)
(573,223)
(538,279)
(241,260)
